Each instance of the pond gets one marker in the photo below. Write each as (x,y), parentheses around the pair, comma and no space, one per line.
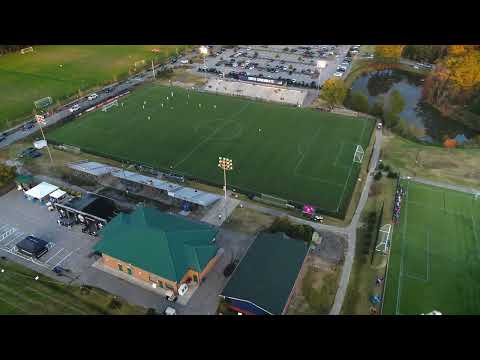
(430,124)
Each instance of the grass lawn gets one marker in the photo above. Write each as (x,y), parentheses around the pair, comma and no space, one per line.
(454,166)
(21,294)
(316,289)
(29,77)
(369,264)
(434,262)
(300,155)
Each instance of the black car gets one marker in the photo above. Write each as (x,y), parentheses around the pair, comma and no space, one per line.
(67,222)
(2,137)
(28,126)
(29,152)
(230,268)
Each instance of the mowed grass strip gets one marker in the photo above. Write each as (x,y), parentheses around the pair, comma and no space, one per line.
(21,294)
(434,263)
(297,154)
(35,75)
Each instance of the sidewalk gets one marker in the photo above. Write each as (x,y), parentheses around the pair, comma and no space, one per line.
(220,208)
(182,300)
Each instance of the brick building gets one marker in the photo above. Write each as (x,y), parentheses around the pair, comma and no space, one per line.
(159,248)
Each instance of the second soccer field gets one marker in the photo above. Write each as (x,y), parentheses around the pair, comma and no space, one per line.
(298,154)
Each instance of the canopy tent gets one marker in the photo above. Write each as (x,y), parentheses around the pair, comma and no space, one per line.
(57,194)
(40,191)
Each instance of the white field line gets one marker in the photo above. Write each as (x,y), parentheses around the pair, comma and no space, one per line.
(7,233)
(402,258)
(212,134)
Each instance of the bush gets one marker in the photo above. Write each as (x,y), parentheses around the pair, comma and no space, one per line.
(377,176)
(392,175)
(359,102)
(115,303)
(386,168)
(302,232)
(151,311)
(380,166)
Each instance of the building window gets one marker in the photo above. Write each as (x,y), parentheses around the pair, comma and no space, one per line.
(120,267)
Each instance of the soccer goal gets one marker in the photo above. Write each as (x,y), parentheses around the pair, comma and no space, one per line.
(43,103)
(359,153)
(109,105)
(385,236)
(26,50)
(139,63)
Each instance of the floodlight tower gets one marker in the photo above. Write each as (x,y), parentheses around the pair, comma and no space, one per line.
(204,52)
(226,165)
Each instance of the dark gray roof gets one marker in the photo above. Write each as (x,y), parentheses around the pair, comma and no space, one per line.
(268,271)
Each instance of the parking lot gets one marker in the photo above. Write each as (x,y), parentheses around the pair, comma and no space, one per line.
(294,65)
(69,249)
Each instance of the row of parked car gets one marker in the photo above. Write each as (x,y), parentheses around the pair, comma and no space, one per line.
(343,67)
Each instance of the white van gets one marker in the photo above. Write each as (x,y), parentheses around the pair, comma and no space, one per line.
(170,311)
(92,96)
(186,61)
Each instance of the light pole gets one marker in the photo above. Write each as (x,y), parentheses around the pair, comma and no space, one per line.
(204,52)
(226,165)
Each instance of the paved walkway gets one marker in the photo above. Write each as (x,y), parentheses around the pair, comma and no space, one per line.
(212,216)
(447,186)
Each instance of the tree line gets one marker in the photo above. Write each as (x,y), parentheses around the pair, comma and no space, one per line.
(4,49)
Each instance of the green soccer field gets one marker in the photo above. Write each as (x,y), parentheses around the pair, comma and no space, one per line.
(435,259)
(296,154)
(35,75)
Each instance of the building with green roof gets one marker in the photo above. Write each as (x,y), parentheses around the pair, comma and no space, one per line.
(159,248)
(265,277)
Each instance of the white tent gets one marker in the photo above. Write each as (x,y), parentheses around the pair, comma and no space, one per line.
(57,194)
(41,191)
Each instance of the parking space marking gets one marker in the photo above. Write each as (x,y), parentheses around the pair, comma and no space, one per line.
(7,233)
(4,227)
(66,257)
(58,252)
(17,236)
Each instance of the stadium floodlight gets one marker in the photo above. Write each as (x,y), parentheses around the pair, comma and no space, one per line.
(226,165)
(204,52)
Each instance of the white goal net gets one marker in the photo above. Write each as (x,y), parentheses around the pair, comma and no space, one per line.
(109,105)
(43,103)
(385,235)
(139,63)
(26,50)
(359,153)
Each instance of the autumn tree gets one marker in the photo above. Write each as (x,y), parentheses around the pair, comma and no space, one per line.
(334,92)
(7,174)
(389,52)
(455,78)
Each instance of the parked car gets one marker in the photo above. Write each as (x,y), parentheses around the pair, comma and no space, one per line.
(182,289)
(92,96)
(2,137)
(230,268)
(170,295)
(170,311)
(67,222)
(338,74)
(29,152)
(74,108)
(28,126)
